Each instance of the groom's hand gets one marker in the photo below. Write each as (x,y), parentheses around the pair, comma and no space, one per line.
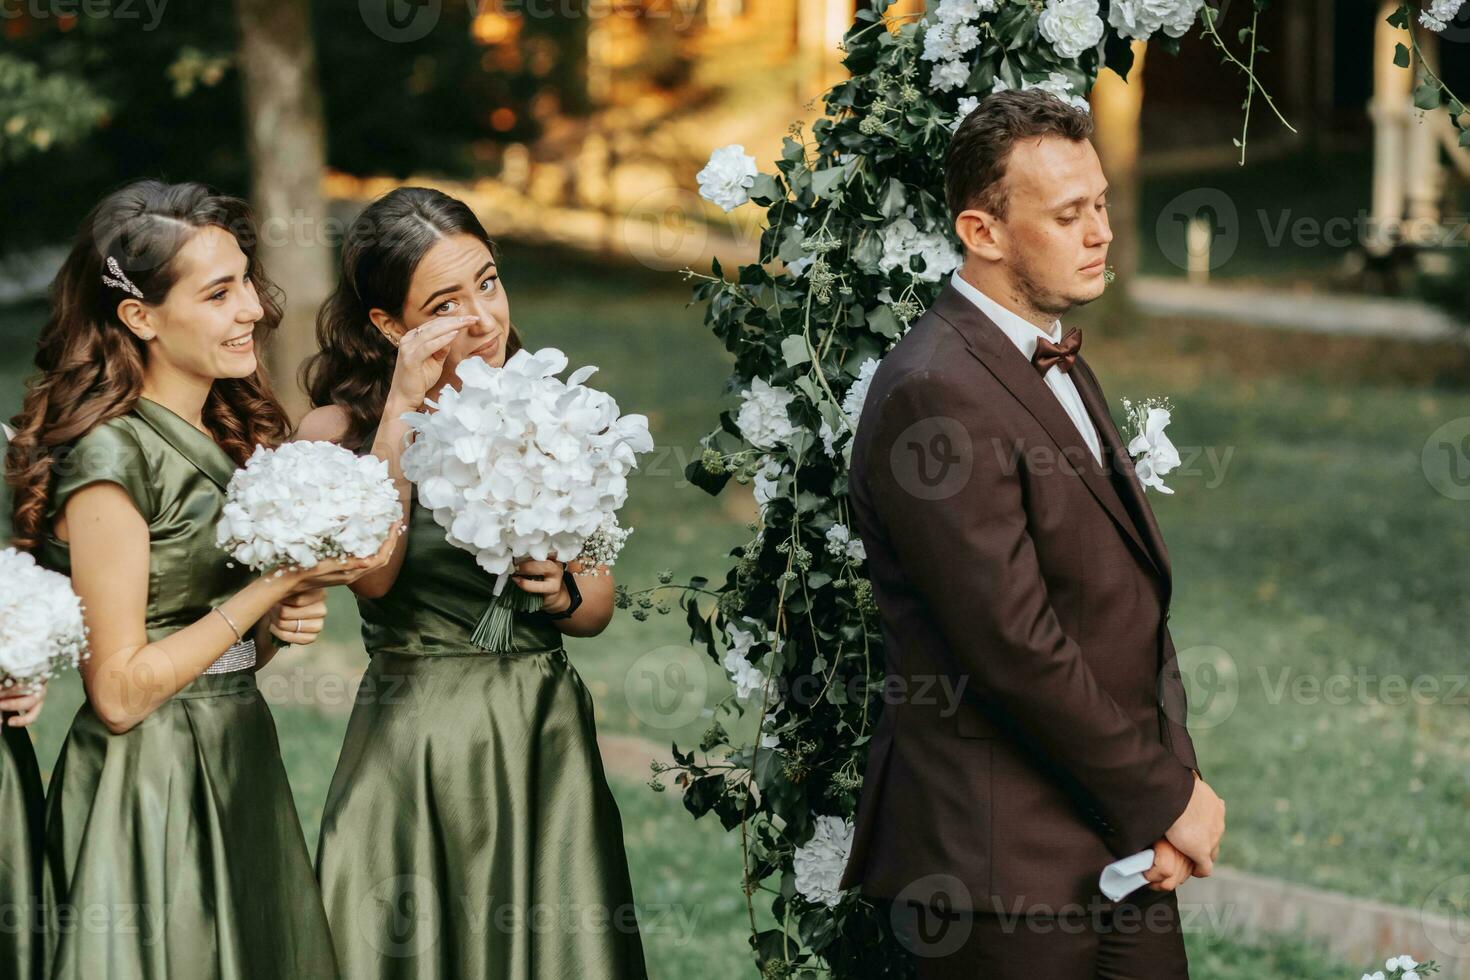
(1198,830)
(1171,868)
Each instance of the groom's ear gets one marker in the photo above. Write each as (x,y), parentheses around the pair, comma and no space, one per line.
(980,233)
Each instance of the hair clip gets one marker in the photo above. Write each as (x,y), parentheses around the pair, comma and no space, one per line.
(118,280)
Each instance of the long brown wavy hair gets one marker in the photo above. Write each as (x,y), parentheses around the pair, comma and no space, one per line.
(91,366)
(353,366)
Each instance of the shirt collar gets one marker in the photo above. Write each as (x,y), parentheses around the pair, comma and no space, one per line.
(1023,333)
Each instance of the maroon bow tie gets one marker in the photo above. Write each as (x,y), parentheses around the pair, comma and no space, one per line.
(1063,355)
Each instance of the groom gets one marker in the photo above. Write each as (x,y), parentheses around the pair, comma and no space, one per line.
(1013,553)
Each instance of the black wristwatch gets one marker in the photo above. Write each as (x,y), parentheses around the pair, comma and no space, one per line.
(570,581)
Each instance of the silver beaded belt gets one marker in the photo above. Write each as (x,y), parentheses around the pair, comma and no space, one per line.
(241,656)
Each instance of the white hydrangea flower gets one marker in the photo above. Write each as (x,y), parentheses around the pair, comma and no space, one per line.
(1072,26)
(819,862)
(307,502)
(516,463)
(727,178)
(902,240)
(939,42)
(1441,14)
(967,105)
(41,627)
(841,544)
(852,402)
(1056,83)
(769,739)
(955,11)
(746,676)
(762,419)
(764,483)
(949,75)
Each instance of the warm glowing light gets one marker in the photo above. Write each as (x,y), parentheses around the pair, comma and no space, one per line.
(493,28)
(503,119)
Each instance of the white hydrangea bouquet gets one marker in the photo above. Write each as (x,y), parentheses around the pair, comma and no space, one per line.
(41,627)
(517,463)
(304,503)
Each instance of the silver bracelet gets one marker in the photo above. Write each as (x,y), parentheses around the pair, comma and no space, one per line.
(233,628)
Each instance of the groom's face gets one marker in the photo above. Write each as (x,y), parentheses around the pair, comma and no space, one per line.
(1054,237)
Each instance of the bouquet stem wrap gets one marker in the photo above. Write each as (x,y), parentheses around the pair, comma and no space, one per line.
(496,630)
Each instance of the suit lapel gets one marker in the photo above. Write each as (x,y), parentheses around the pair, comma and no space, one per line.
(1129,486)
(994,349)
(193,445)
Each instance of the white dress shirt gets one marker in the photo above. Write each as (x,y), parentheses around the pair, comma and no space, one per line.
(1123,876)
(1025,335)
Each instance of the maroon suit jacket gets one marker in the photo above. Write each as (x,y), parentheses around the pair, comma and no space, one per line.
(1004,558)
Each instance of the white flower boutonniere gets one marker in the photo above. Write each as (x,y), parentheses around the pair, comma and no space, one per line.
(1153,454)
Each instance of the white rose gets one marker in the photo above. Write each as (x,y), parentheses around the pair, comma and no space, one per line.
(1072,26)
(727,178)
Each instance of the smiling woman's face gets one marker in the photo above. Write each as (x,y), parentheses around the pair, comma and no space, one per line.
(205,325)
(458,277)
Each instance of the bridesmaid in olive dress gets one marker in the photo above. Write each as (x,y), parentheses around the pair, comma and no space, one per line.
(21,812)
(469,831)
(173,848)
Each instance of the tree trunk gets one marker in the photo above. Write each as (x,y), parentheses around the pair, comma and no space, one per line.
(287,142)
(1117,106)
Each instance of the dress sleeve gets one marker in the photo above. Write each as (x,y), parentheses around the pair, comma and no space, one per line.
(110,453)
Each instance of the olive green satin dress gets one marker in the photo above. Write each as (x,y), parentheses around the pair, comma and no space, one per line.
(469,832)
(173,850)
(21,813)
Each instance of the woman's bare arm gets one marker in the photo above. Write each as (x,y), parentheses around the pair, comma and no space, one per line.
(127,677)
(329,424)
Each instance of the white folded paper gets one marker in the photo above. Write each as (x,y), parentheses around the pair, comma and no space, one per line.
(1125,875)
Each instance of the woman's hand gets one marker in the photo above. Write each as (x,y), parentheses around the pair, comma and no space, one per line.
(342,571)
(25,702)
(421,356)
(299,618)
(1171,868)
(544,578)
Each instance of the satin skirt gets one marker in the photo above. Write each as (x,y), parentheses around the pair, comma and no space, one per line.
(470,834)
(174,852)
(22,811)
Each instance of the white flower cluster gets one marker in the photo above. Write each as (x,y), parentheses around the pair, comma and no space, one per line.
(1441,14)
(1153,454)
(605,544)
(41,626)
(1056,83)
(950,38)
(516,463)
(819,862)
(852,410)
(764,484)
(746,676)
(1072,26)
(762,419)
(1139,19)
(306,502)
(841,544)
(1400,968)
(727,178)
(902,240)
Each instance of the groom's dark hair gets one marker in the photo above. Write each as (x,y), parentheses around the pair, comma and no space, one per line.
(975,165)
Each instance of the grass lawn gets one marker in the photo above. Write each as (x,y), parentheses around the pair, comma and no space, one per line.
(1309,545)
